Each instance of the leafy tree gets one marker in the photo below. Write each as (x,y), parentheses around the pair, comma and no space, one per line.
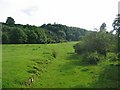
(116,24)
(102,43)
(32,37)
(116,27)
(10,21)
(18,36)
(52,37)
(94,46)
(5,38)
(94,41)
(103,27)
(41,36)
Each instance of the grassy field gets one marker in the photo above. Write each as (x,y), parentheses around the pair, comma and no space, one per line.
(53,66)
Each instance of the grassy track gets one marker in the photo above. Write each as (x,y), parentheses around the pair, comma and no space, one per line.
(53,66)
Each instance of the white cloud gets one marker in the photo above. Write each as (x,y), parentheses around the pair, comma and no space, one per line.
(30,10)
(87,14)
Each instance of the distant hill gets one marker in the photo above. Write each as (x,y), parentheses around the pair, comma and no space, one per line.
(46,33)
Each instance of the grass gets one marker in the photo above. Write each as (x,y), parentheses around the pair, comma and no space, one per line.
(53,66)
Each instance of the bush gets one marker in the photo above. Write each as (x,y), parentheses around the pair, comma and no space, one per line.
(94,41)
(92,58)
(112,57)
(79,48)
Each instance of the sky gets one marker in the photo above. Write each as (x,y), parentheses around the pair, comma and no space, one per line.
(87,14)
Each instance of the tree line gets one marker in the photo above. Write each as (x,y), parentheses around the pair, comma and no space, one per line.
(47,33)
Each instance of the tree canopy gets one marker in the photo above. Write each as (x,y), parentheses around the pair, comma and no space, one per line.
(46,33)
(10,21)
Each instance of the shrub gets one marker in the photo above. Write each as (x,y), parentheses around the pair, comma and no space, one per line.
(92,58)
(79,48)
(94,41)
(112,57)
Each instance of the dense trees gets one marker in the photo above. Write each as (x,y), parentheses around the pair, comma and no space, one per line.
(41,36)
(5,38)
(32,36)
(94,44)
(116,26)
(94,41)
(47,33)
(18,36)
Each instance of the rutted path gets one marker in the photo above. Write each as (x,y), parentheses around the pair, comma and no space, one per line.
(39,66)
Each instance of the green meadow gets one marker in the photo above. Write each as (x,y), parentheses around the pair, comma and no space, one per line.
(53,66)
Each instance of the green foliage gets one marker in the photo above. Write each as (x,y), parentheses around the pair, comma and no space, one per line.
(79,48)
(10,21)
(32,36)
(18,36)
(103,27)
(116,27)
(50,33)
(5,38)
(108,77)
(112,57)
(96,41)
(64,33)
(42,38)
(96,44)
(92,58)
(116,24)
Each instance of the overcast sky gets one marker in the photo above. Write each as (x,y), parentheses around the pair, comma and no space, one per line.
(86,14)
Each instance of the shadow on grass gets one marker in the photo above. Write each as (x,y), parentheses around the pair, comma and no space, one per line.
(77,59)
(73,56)
(108,78)
(79,86)
(73,60)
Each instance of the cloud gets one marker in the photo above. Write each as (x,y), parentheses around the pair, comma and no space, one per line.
(30,10)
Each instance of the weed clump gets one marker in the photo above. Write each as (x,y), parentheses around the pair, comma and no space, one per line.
(54,53)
